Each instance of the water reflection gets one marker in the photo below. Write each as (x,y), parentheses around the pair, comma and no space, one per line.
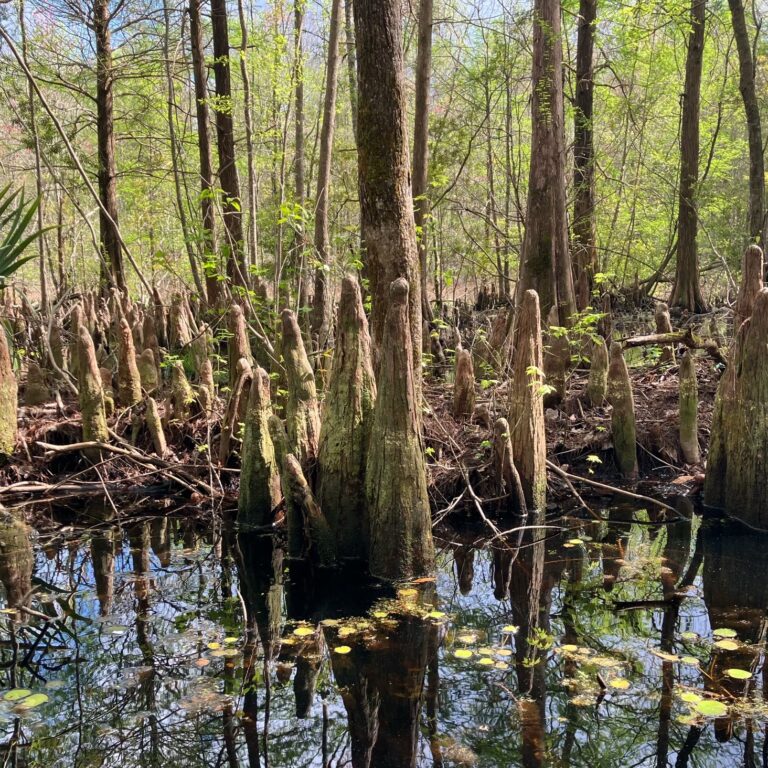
(166,641)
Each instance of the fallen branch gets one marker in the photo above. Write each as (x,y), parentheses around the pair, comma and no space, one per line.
(686,337)
(608,488)
(179,476)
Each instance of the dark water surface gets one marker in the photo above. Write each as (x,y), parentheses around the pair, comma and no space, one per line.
(147,642)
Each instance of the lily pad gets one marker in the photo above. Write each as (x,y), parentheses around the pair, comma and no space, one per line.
(35,700)
(463,653)
(619,683)
(727,645)
(342,650)
(712,708)
(738,674)
(724,632)
(17,694)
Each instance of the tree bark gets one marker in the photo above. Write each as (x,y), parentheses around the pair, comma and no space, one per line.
(421,203)
(237,268)
(585,249)
(754,125)
(545,261)
(105,134)
(349,32)
(322,303)
(200,75)
(686,290)
(386,205)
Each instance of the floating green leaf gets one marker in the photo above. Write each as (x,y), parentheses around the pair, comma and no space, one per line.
(712,708)
(738,674)
(727,645)
(17,694)
(724,632)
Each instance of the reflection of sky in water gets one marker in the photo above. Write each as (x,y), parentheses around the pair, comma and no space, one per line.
(132,694)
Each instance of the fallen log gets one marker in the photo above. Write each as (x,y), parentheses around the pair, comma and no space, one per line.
(686,337)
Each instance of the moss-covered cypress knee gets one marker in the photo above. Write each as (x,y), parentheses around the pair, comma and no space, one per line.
(238,346)
(598,373)
(301,410)
(36,391)
(147,366)
(92,408)
(401,544)
(623,429)
(259,475)
(182,395)
(346,426)
(155,427)
(128,376)
(526,404)
(689,407)
(464,385)
(9,399)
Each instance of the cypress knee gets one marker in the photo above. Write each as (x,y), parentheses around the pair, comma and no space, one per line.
(230,425)
(401,545)
(259,477)
(128,376)
(93,410)
(346,426)
(182,394)
(304,514)
(36,390)
(526,404)
(737,469)
(689,406)
(147,366)
(598,373)
(9,399)
(664,325)
(623,414)
(155,427)
(238,346)
(464,385)
(508,484)
(301,410)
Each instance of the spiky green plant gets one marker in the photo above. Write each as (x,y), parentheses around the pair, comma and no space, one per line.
(15,216)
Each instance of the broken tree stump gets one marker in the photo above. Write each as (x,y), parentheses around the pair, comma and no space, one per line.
(259,475)
(401,544)
(155,427)
(235,410)
(737,467)
(623,430)
(346,427)
(526,404)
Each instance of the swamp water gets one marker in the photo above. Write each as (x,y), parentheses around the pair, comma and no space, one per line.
(625,643)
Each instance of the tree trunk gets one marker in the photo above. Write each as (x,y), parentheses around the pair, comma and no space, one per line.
(686,291)
(585,250)
(248,119)
(349,31)
(545,261)
(210,255)
(387,225)
(322,303)
(737,467)
(237,268)
(401,545)
(9,399)
(421,145)
(299,156)
(105,133)
(754,126)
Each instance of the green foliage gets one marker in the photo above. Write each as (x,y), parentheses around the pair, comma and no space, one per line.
(15,217)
